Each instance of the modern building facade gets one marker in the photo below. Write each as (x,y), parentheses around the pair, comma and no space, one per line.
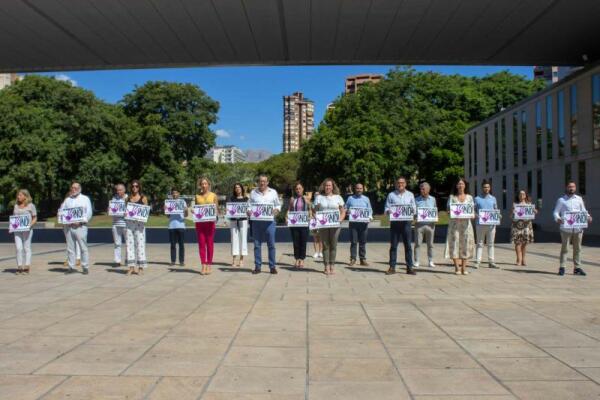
(552,74)
(226,154)
(298,121)
(353,83)
(538,145)
(7,79)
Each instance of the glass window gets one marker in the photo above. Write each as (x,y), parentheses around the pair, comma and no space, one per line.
(596,110)
(538,130)
(549,137)
(573,115)
(560,105)
(487,150)
(568,175)
(475,154)
(581,177)
(474,188)
(529,182)
(496,147)
(503,139)
(515,139)
(515,185)
(469,164)
(504,192)
(539,191)
(523,137)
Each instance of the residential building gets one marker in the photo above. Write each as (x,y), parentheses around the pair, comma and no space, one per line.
(539,144)
(7,79)
(353,83)
(226,154)
(298,121)
(552,74)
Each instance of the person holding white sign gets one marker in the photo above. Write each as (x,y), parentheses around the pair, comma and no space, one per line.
(568,207)
(119,227)
(177,229)
(136,233)
(24,207)
(460,242)
(485,233)
(521,231)
(400,229)
(205,231)
(330,200)
(358,204)
(424,230)
(77,213)
(59,218)
(263,230)
(238,226)
(301,205)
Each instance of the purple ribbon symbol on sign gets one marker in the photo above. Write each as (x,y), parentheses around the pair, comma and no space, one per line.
(200,214)
(293,220)
(131,213)
(355,215)
(323,221)
(485,217)
(170,208)
(424,215)
(257,213)
(68,217)
(15,226)
(457,212)
(571,220)
(520,212)
(231,211)
(113,209)
(396,214)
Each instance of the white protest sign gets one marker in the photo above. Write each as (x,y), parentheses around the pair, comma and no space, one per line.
(175,206)
(328,218)
(359,214)
(236,210)
(575,219)
(205,213)
(401,212)
(74,215)
(462,210)
(489,217)
(524,212)
(19,223)
(427,214)
(262,211)
(137,212)
(117,208)
(297,218)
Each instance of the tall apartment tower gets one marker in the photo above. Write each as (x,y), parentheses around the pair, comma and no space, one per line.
(353,83)
(298,121)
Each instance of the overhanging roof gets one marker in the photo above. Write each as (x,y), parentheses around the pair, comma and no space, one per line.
(49,35)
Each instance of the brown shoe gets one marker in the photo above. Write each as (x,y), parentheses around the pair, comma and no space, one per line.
(364,263)
(352,261)
(391,271)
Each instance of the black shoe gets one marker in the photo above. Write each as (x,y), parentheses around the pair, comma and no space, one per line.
(579,271)
(256,271)
(411,271)
(85,271)
(391,271)
(70,271)
(274,271)
(561,271)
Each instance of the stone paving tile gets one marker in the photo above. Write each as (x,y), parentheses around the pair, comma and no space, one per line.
(357,335)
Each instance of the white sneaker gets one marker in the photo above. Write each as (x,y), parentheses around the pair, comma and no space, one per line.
(416,264)
(431,264)
(316,255)
(321,255)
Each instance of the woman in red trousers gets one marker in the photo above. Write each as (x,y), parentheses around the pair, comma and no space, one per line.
(206,230)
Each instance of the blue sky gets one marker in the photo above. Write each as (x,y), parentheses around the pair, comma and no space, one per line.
(251,97)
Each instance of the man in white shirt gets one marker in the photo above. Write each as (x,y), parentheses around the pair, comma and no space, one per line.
(570,202)
(400,230)
(264,230)
(77,232)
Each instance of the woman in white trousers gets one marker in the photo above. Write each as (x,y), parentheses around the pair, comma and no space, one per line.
(24,206)
(239,229)
(136,233)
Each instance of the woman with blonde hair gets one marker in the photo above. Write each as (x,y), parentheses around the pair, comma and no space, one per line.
(205,231)
(24,206)
(329,200)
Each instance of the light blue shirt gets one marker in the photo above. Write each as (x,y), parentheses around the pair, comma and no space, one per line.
(397,198)
(487,202)
(358,201)
(425,202)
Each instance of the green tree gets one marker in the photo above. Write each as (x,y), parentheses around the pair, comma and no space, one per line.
(282,170)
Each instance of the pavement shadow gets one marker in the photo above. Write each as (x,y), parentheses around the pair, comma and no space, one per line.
(56,263)
(10,270)
(188,270)
(61,270)
(363,269)
(295,269)
(117,270)
(235,269)
(529,271)
(434,271)
(106,264)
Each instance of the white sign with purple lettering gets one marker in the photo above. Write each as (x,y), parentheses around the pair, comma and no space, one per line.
(401,212)
(297,219)
(359,214)
(205,213)
(236,210)
(462,210)
(328,218)
(19,223)
(262,211)
(175,206)
(137,212)
(117,208)
(575,219)
(74,215)
(427,214)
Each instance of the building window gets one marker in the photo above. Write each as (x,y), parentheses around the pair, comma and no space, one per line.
(568,175)
(539,187)
(475,188)
(529,183)
(523,137)
(475,154)
(503,139)
(515,139)
(581,177)
(596,110)
(573,115)
(470,152)
(538,130)
(496,147)
(515,185)
(504,192)
(560,105)
(549,128)
(487,150)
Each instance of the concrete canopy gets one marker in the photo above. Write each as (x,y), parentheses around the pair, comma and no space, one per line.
(50,35)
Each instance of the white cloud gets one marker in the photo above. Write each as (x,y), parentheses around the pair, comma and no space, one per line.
(222,133)
(65,78)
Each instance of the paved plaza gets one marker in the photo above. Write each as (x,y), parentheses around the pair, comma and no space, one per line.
(513,333)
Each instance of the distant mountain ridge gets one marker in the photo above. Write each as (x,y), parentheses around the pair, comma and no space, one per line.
(257,155)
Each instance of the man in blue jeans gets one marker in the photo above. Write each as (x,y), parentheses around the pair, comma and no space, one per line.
(264,230)
(358,230)
(400,230)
